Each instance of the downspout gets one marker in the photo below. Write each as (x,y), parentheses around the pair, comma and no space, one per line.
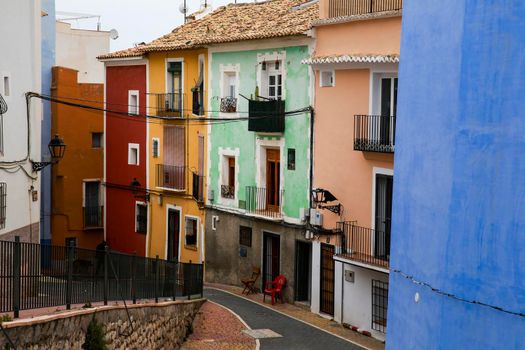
(311,156)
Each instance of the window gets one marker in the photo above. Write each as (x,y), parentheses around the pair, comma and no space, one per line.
(291,158)
(96,139)
(155,148)
(92,206)
(7,86)
(3,204)
(71,242)
(191,231)
(388,96)
(141,214)
(379,305)
(272,79)
(133,154)
(229,92)
(228,186)
(245,236)
(327,78)
(133,102)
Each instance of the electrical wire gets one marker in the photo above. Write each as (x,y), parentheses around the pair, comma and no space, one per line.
(452,296)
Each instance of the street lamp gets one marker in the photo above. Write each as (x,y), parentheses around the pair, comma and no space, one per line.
(321,196)
(137,191)
(57,148)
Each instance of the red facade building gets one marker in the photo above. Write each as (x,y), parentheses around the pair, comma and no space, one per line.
(125,159)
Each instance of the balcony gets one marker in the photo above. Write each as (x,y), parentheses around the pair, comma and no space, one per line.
(227,191)
(228,105)
(365,245)
(266,116)
(171,177)
(260,201)
(168,104)
(341,8)
(197,187)
(93,217)
(374,133)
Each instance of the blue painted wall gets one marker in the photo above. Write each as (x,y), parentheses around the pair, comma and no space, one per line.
(48,61)
(459,191)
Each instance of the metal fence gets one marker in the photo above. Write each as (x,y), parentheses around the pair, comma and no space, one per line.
(169,104)
(171,176)
(338,8)
(264,202)
(37,276)
(374,133)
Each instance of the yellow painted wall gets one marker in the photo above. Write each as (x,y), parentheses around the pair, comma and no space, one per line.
(157,235)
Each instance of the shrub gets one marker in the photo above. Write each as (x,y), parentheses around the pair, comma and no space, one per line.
(94,336)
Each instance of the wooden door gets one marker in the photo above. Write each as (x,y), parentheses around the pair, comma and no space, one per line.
(273,179)
(173,234)
(327,278)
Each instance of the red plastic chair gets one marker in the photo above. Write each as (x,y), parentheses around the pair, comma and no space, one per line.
(275,288)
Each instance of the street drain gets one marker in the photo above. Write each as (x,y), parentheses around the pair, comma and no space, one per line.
(262,333)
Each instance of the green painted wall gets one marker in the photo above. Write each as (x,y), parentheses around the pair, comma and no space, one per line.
(236,135)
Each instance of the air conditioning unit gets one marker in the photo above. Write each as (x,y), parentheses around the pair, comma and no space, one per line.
(316,217)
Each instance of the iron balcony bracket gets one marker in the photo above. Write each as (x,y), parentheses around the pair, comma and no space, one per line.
(37,166)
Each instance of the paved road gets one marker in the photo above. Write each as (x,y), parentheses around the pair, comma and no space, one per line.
(296,335)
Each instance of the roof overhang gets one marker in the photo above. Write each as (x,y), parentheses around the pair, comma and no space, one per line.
(334,59)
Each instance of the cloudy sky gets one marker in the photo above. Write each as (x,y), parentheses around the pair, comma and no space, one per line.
(135,20)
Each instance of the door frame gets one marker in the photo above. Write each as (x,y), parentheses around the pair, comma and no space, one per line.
(276,189)
(321,280)
(263,249)
(179,209)
(310,245)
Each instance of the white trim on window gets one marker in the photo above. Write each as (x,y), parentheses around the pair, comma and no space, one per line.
(137,204)
(197,225)
(136,147)
(133,102)
(224,154)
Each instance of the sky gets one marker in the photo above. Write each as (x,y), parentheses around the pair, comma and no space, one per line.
(135,20)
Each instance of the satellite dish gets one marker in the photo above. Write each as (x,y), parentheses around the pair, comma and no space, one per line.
(183,9)
(113,34)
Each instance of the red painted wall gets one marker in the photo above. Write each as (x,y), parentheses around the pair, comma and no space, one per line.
(120,131)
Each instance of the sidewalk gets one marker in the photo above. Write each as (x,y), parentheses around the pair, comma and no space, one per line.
(216,328)
(304,315)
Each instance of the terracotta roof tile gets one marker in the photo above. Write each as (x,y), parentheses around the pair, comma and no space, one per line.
(235,22)
(393,58)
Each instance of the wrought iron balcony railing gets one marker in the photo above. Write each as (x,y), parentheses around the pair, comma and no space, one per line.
(93,217)
(228,105)
(341,8)
(264,202)
(374,133)
(365,245)
(197,187)
(171,177)
(169,104)
(266,116)
(227,191)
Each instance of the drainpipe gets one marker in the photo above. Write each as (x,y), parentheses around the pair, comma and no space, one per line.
(311,156)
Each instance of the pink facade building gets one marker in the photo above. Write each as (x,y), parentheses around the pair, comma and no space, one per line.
(355,64)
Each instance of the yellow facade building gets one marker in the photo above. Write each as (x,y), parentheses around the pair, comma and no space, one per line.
(177,153)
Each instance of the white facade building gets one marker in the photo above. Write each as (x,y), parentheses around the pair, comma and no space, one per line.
(20,72)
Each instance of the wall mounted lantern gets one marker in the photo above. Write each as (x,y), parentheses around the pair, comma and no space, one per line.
(57,148)
(321,196)
(138,192)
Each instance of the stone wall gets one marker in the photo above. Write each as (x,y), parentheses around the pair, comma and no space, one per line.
(29,234)
(155,326)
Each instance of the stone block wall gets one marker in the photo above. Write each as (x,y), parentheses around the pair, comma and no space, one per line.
(155,326)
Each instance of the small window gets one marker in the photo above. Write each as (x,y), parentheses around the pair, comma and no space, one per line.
(379,305)
(96,139)
(155,148)
(133,102)
(141,222)
(327,78)
(228,186)
(3,204)
(92,204)
(7,86)
(191,231)
(245,236)
(133,154)
(71,242)
(291,158)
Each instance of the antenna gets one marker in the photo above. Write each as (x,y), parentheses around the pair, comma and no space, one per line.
(184,10)
(113,34)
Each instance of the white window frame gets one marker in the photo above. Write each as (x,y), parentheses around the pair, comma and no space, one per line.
(322,82)
(137,204)
(153,140)
(263,76)
(223,170)
(133,109)
(136,147)
(225,70)
(197,219)
(375,91)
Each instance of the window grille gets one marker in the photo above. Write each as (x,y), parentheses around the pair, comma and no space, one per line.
(191,231)
(245,236)
(379,305)
(3,204)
